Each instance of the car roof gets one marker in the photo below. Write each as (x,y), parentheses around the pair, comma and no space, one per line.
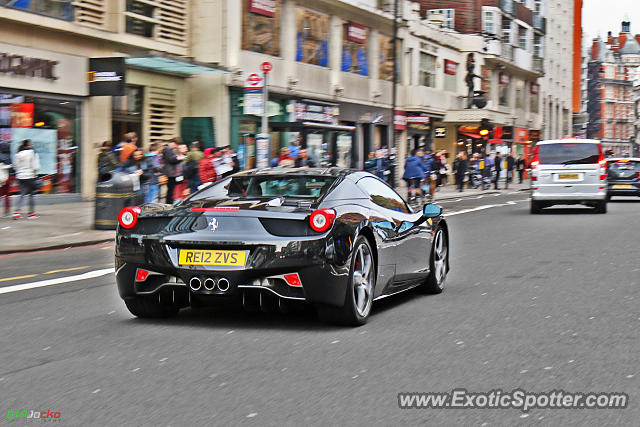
(568,140)
(335,171)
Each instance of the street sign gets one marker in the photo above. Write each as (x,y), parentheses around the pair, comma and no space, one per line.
(266,67)
(254,81)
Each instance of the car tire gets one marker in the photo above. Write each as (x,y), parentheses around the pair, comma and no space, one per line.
(601,207)
(536,207)
(150,307)
(359,296)
(438,264)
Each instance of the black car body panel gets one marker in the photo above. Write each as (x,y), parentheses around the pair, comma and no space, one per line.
(278,241)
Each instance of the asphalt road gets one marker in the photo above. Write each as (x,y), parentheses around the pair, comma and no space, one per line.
(541,303)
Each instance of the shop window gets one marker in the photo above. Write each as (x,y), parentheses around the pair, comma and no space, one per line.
(261,26)
(427,70)
(354,49)
(163,21)
(312,37)
(126,114)
(61,9)
(53,127)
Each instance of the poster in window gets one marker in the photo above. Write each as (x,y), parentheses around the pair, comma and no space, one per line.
(261,26)
(312,37)
(354,49)
(386,57)
(45,144)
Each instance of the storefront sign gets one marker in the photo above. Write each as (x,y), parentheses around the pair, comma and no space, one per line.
(468,129)
(254,81)
(356,33)
(400,120)
(440,132)
(507,132)
(521,135)
(106,76)
(422,119)
(450,67)
(263,7)
(22,115)
(534,135)
(504,78)
(315,113)
(25,66)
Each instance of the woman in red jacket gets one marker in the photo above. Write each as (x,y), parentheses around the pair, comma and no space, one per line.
(206,167)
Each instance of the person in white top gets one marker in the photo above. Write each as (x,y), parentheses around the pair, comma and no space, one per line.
(26,165)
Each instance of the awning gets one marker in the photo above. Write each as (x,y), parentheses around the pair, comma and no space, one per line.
(171,64)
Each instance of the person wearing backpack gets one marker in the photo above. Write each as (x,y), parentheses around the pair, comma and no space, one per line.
(26,164)
(190,167)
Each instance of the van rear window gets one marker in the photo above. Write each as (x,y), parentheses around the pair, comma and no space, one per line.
(568,153)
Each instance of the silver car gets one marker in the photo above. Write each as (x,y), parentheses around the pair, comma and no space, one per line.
(569,171)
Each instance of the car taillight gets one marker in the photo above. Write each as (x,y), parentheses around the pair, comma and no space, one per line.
(141,275)
(638,175)
(536,159)
(293,280)
(601,160)
(534,177)
(322,219)
(128,217)
(603,177)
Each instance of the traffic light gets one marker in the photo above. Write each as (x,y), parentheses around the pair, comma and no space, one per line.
(486,130)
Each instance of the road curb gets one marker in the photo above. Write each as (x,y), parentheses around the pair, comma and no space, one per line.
(54,247)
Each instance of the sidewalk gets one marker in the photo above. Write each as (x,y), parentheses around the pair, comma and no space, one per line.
(60,225)
(71,224)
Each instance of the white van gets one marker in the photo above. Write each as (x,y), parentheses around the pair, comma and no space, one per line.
(569,171)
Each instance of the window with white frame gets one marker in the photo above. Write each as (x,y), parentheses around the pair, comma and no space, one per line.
(537,46)
(447,15)
(488,23)
(522,37)
(427,70)
(506,29)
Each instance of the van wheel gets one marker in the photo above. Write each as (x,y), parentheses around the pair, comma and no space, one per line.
(601,207)
(536,207)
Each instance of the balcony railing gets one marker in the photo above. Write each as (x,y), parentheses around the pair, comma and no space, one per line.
(539,22)
(507,52)
(507,6)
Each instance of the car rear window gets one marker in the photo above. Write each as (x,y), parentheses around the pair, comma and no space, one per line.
(305,186)
(568,153)
(624,166)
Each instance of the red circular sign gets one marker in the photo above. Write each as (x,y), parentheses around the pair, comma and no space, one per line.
(266,67)
(254,79)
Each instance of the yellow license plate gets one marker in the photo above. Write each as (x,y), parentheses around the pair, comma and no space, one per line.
(208,257)
(569,176)
(622,187)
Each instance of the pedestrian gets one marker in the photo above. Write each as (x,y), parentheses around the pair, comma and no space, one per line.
(414,173)
(6,176)
(152,171)
(171,167)
(26,164)
(510,165)
(370,164)
(382,165)
(285,160)
(498,166)
(303,160)
(431,171)
(207,168)
(190,166)
(107,161)
(520,167)
(128,146)
(460,169)
(135,167)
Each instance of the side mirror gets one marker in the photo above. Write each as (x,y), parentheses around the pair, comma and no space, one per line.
(431,211)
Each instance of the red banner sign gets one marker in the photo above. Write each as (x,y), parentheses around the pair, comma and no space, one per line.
(22,115)
(356,33)
(504,78)
(419,119)
(263,7)
(450,67)
(521,135)
(400,120)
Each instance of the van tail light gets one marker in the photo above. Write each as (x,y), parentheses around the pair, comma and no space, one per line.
(603,177)
(322,219)
(128,217)
(536,158)
(601,160)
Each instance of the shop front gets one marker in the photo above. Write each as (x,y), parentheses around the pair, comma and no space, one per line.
(419,135)
(41,98)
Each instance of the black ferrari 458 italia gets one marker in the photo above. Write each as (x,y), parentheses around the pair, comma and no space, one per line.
(335,238)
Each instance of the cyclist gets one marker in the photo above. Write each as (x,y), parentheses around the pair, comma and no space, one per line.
(414,173)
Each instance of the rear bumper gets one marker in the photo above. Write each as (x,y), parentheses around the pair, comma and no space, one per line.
(322,280)
(634,191)
(556,193)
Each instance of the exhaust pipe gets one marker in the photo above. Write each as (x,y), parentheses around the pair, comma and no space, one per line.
(195,283)
(209,283)
(223,284)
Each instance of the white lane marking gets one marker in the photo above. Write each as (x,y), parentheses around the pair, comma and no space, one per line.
(479,208)
(50,282)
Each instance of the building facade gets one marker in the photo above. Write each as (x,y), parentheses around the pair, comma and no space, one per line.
(613,67)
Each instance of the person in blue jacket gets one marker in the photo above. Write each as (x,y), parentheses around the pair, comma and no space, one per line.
(414,173)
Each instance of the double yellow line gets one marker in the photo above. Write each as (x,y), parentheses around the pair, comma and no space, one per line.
(29,276)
